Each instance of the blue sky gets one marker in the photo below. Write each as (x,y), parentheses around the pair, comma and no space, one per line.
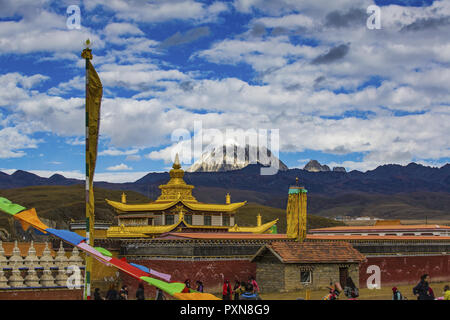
(336,90)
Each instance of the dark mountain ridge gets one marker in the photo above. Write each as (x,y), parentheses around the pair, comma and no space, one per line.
(386,179)
(389,191)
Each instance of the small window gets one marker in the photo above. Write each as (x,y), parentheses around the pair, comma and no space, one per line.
(305,276)
(188,218)
(226,220)
(207,220)
(170,219)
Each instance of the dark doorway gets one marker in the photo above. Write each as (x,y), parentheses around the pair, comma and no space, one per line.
(343,275)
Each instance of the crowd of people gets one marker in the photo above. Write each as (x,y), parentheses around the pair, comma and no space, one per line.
(241,291)
(249,290)
(422,291)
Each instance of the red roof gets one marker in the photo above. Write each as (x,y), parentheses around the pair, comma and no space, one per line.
(380,228)
(313,252)
(374,237)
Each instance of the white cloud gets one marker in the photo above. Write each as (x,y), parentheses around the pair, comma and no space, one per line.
(116,152)
(119,29)
(133,157)
(12,141)
(76,141)
(160,10)
(119,167)
(55,162)
(43,30)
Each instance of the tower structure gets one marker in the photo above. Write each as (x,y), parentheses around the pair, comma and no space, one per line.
(296,212)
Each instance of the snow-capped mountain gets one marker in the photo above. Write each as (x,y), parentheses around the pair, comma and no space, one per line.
(237,158)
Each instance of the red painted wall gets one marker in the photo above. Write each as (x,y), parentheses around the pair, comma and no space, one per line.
(406,270)
(211,273)
(394,271)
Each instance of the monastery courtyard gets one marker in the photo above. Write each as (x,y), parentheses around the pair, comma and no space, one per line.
(385,293)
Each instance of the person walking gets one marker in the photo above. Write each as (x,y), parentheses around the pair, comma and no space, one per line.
(422,289)
(446,292)
(123,293)
(97,295)
(397,295)
(112,293)
(226,290)
(350,290)
(335,291)
(199,286)
(238,289)
(159,294)
(249,293)
(140,292)
(187,286)
(254,284)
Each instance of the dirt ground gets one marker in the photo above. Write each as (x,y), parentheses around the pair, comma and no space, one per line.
(385,293)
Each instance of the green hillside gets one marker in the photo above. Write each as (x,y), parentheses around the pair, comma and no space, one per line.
(58,205)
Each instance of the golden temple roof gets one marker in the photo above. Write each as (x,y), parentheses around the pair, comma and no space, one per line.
(175,191)
(158,206)
(257,229)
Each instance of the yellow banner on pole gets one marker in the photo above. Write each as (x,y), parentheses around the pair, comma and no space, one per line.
(94,97)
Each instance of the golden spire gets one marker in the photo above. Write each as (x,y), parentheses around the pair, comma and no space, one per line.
(124,197)
(176,163)
(258,220)
(176,188)
(228,199)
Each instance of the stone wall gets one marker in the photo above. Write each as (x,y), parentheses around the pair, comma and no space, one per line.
(270,276)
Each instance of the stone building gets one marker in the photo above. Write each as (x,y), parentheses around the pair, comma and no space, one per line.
(289,266)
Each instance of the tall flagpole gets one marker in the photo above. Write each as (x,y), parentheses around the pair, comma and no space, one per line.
(89,219)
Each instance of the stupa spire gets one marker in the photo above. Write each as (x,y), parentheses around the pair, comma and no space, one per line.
(176,163)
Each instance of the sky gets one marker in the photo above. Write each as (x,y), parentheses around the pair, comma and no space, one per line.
(336,90)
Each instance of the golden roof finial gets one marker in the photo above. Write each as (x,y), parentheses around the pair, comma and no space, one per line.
(176,163)
(87,52)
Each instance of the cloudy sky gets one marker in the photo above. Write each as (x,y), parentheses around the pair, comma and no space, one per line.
(338,91)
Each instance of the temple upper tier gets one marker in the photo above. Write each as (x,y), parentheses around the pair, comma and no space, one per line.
(176,209)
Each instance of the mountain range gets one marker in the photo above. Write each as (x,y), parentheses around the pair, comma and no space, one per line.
(234,157)
(394,191)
